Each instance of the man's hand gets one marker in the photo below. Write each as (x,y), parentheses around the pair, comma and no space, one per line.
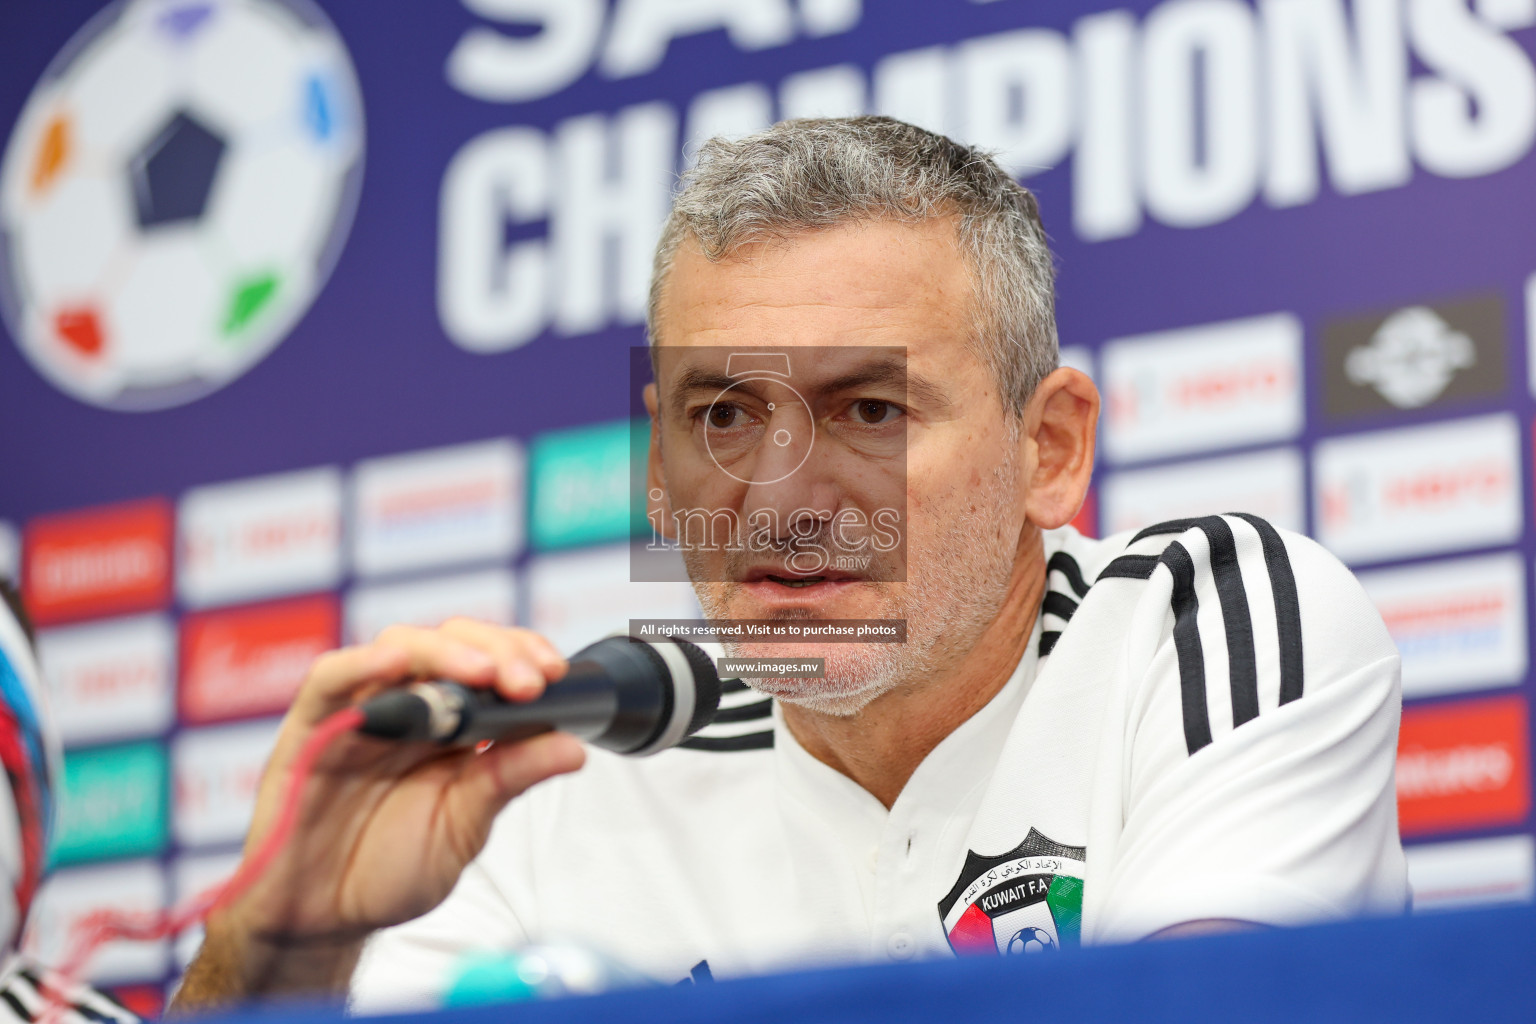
(384,829)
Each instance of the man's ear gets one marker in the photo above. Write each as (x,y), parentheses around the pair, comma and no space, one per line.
(658,509)
(1060,430)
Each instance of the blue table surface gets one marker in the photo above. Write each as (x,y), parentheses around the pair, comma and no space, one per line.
(1467,966)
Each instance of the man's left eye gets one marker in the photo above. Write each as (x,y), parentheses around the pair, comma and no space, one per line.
(872,411)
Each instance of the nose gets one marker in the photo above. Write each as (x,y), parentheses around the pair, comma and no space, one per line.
(789,478)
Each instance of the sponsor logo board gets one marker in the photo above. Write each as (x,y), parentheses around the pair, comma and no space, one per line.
(98,561)
(1459,624)
(113,803)
(1219,385)
(238,662)
(1472,873)
(580,597)
(489,596)
(262,537)
(580,484)
(70,894)
(438,507)
(1464,765)
(1266,484)
(1414,357)
(1440,487)
(111,680)
(216,773)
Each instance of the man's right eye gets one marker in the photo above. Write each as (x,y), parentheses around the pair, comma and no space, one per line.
(724,415)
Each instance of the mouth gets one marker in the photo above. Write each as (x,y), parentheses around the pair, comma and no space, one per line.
(796,580)
(779,588)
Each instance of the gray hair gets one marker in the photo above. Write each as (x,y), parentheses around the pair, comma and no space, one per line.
(813,173)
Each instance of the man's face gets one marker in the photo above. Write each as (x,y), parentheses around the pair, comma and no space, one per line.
(821,392)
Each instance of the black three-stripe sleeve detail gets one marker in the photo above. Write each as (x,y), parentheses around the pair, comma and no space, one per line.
(1282,581)
(746,712)
(1171,526)
(730,744)
(1059,605)
(1130,567)
(732,686)
(1186,643)
(1048,641)
(1235,614)
(1236,619)
(1067,565)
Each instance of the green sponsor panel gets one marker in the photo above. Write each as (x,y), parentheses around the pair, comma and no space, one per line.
(580,481)
(113,805)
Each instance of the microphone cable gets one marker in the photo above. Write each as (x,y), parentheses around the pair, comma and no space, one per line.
(100,927)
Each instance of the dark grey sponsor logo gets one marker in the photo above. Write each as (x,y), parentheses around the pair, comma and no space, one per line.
(1414,357)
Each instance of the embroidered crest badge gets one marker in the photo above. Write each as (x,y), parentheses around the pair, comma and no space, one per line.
(1027,900)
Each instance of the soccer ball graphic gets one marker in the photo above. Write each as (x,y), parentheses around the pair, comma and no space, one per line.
(1030,940)
(175,193)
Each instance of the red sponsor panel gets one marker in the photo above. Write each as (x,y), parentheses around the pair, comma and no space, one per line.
(99,561)
(1464,765)
(239,662)
(146,1001)
(1086,522)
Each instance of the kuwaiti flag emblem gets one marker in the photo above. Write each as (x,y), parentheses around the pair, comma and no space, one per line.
(1027,900)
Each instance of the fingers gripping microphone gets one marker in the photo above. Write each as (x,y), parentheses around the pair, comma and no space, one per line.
(621,693)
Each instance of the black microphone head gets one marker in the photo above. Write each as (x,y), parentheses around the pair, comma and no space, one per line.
(666,690)
(693,693)
(706,681)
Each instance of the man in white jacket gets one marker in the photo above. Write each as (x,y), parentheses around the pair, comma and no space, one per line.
(1188,729)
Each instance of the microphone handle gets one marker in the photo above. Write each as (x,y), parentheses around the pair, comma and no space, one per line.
(583,703)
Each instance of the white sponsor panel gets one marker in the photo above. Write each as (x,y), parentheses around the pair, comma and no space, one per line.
(1458,624)
(1471,873)
(1078,357)
(1439,487)
(579,597)
(10,553)
(216,773)
(490,596)
(259,538)
(1219,385)
(111,680)
(458,504)
(71,893)
(1266,484)
(191,877)
(1530,329)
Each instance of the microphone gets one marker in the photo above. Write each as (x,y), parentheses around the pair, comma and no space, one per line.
(629,695)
